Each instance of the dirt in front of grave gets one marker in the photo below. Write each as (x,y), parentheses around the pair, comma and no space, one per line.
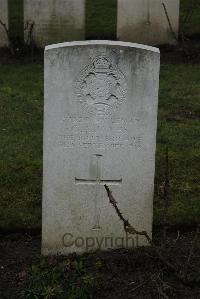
(126,274)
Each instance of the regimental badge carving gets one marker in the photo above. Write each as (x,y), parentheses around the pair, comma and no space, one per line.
(101,87)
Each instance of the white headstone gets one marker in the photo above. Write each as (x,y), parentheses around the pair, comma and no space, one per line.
(55,21)
(100,117)
(146,21)
(4,20)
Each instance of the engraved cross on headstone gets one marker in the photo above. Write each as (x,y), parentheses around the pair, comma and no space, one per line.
(97,182)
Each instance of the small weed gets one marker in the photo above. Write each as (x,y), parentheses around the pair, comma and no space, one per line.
(58,278)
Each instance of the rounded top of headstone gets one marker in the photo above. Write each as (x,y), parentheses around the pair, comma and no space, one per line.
(103,43)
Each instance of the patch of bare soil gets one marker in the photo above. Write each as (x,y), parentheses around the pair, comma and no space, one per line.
(126,274)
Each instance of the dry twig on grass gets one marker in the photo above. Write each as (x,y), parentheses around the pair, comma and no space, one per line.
(10,45)
(191,252)
(169,22)
(131,230)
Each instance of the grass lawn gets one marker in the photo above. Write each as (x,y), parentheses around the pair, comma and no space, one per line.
(190,28)
(21,93)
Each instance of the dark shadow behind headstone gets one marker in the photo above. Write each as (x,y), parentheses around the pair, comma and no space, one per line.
(101,19)
(16,22)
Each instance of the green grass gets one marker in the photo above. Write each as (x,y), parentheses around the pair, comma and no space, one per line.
(179,130)
(190,28)
(21,94)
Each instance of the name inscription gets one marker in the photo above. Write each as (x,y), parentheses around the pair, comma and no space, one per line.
(107,133)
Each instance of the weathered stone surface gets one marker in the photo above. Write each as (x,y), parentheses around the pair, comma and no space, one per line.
(100,118)
(4,20)
(55,21)
(145,21)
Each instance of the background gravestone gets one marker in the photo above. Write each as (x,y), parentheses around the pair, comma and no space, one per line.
(145,21)
(55,21)
(4,19)
(100,119)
